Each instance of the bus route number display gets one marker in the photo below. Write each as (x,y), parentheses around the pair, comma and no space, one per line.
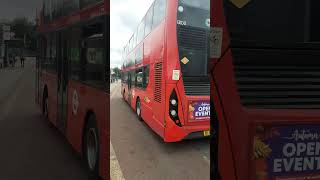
(199,110)
(287,152)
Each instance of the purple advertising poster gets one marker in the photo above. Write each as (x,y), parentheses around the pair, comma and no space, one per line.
(287,152)
(199,110)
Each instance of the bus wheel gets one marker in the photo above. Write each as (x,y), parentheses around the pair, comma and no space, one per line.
(138,109)
(91,151)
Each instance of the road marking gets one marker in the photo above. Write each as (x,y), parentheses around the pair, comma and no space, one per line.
(115,169)
(206,159)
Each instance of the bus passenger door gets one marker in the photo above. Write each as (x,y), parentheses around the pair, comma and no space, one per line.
(62,80)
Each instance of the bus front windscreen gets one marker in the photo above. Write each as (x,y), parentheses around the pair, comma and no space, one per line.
(193,24)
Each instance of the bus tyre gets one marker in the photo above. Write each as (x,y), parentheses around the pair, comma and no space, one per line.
(138,109)
(91,148)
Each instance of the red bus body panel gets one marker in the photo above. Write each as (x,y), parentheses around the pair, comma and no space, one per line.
(49,80)
(94,101)
(237,124)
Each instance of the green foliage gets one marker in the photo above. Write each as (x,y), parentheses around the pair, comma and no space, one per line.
(116,70)
(25,29)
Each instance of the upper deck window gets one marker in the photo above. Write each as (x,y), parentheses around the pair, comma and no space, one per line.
(148,20)
(200,4)
(159,11)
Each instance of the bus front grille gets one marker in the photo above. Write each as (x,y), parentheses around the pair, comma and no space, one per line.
(278,79)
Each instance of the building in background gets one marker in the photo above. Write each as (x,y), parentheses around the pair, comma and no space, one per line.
(9,45)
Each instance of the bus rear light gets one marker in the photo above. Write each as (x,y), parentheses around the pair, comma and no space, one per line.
(173,102)
(173,108)
(173,113)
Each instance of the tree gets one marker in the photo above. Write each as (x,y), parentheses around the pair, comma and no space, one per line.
(25,29)
(116,70)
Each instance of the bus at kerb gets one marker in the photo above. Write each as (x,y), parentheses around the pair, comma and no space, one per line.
(72,82)
(164,74)
(266,89)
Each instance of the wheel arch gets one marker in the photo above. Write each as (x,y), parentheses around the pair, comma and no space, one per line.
(89,113)
(138,98)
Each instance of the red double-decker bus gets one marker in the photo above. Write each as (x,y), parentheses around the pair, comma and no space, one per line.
(72,84)
(164,75)
(266,89)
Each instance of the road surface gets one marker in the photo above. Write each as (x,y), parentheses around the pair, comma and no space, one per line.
(30,147)
(140,154)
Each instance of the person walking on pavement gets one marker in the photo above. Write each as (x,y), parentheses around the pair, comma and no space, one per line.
(22,61)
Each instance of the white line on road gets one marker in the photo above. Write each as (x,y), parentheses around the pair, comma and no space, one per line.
(206,159)
(115,169)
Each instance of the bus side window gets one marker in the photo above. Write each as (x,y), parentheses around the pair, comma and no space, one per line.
(125,77)
(138,58)
(76,68)
(94,55)
(148,22)
(133,80)
(140,34)
(145,76)
(159,12)
(132,58)
(139,78)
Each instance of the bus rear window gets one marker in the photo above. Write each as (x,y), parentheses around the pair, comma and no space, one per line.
(274,21)
(201,4)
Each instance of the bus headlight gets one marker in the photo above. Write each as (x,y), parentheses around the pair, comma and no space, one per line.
(173,108)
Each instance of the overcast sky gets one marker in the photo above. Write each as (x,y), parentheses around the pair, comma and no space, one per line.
(125,17)
(9,9)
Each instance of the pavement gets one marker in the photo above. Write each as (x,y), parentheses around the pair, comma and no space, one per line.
(30,147)
(137,153)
